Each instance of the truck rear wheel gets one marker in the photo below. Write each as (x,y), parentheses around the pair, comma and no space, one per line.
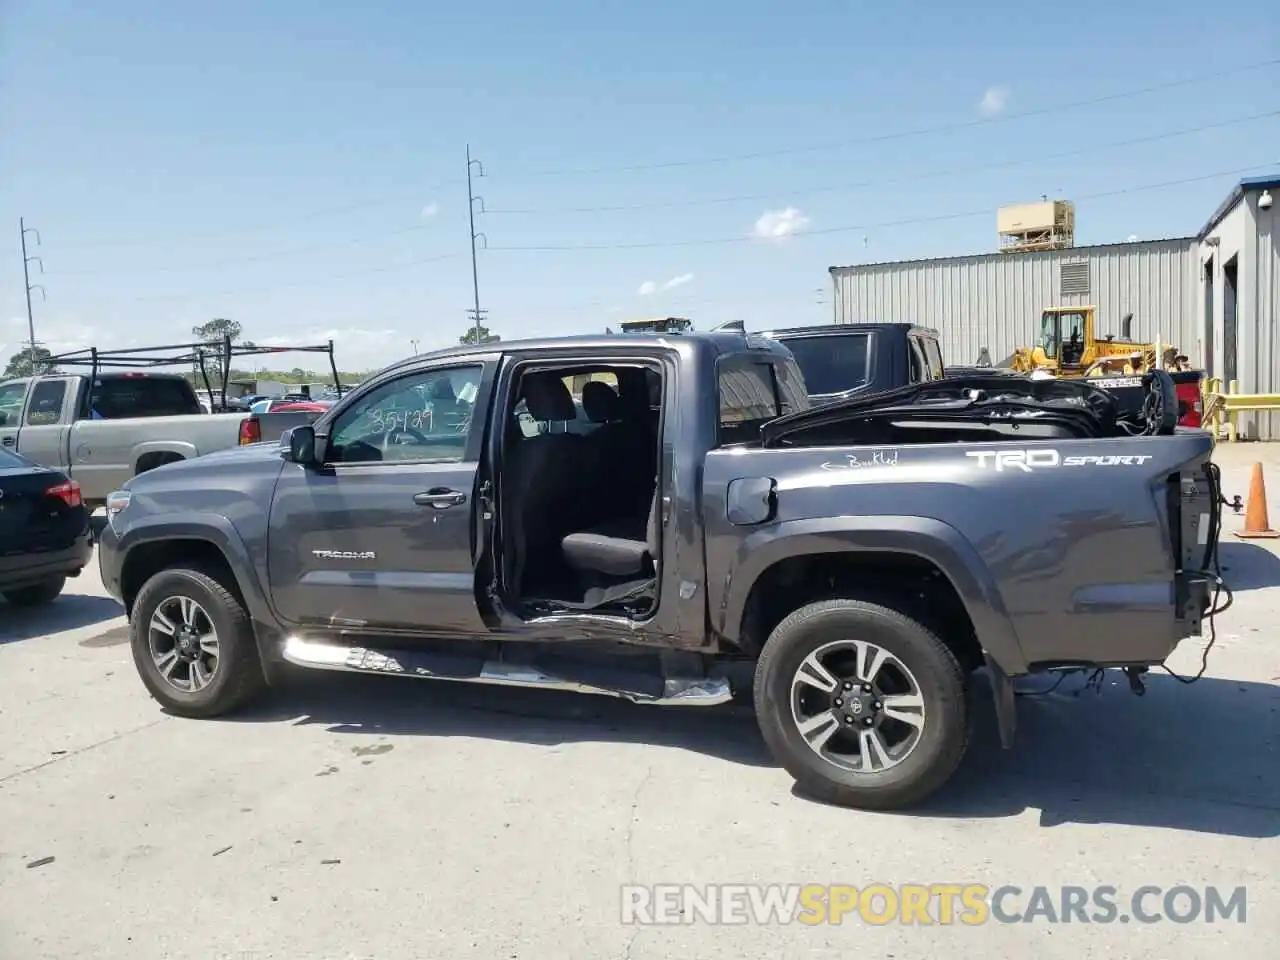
(863,706)
(193,644)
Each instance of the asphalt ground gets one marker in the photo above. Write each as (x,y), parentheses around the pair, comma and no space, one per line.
(385,818)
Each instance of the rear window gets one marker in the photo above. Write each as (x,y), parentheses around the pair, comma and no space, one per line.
(832,363)
(115,398)
(748,399)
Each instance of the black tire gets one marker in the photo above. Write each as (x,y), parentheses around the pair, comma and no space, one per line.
(37,595)
(942,740)
(238,677)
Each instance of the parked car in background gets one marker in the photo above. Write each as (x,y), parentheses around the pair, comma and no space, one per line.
(44,531)
(102,431)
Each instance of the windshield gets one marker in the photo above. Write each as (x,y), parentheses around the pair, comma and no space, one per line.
(831,363)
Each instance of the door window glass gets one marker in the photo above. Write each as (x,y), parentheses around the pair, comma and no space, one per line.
(11,395)
(919,374)
(46,403)
(933,356)
(423,416)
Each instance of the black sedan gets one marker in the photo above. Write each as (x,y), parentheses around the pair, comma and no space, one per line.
(44,531)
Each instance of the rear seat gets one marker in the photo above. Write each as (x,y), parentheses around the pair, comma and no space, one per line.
(618,548)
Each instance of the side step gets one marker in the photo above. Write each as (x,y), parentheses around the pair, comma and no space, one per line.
(638,687)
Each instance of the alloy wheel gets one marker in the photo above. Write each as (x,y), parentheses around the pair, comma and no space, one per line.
(183,643)
(857,706)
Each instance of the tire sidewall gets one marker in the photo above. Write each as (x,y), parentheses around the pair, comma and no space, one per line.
(945,715)
(226,622)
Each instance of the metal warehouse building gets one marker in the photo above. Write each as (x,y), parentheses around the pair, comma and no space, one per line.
(1216,295)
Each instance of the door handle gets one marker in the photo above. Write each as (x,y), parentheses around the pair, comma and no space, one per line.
(8,441)
(440,498)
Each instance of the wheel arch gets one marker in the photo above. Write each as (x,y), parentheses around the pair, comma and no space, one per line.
(880,554)
(148,456)
(209,543)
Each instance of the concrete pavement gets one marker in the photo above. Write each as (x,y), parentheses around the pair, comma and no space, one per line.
(351,817)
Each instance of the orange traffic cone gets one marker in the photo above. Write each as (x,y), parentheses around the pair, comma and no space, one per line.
(1256,523)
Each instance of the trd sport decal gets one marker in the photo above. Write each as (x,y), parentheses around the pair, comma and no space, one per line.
(1030,460)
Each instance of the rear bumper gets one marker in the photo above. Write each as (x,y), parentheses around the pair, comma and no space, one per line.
(26,569)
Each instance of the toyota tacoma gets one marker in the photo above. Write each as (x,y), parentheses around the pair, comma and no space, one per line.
(666,519)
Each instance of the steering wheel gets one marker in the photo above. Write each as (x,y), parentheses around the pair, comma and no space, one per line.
(1160,405)
(412,435)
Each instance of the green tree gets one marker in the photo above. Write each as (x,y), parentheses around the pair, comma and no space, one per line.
(20,364)
(217,328)
(483,331)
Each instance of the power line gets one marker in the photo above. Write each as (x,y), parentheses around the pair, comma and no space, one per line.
(259,257)
(917,132)
(318,214)
(301,283)
(984,212)
(23,230)
(848,187)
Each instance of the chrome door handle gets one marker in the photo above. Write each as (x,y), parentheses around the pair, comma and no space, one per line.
(439,498)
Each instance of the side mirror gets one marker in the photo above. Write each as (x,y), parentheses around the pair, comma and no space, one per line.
(302,444)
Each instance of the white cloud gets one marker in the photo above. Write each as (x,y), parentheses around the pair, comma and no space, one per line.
(778,224)
(650,287)
(1133,238)
(993,101)
(430,210)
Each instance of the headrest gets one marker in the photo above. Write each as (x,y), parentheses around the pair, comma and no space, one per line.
(441,388)
(600,402)
(548,398)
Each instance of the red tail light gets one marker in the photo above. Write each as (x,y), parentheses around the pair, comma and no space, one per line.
(68,493)
(250,431)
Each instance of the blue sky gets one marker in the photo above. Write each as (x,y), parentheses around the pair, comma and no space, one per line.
(300,167)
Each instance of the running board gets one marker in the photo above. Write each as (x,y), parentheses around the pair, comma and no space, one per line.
(675,691)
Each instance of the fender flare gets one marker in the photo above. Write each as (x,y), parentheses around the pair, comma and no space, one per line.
(214,529)
(185,450)
(923,537)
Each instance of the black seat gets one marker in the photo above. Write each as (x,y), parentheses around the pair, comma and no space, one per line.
(544,477)
(626,547)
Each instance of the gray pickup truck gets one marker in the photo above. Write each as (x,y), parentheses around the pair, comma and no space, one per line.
(699,532)
(100,436)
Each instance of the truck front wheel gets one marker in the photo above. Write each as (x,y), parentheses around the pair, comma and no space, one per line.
(863,706)
(193,644)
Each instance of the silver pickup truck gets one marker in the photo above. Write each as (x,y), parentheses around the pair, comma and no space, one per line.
(104,434)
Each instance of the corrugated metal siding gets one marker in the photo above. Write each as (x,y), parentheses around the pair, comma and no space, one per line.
(1266,313)
(995,300)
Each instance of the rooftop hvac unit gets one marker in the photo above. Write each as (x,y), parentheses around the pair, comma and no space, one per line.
(1026,227)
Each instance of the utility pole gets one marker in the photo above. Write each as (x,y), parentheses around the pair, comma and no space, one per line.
(23,230)
(476,312)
